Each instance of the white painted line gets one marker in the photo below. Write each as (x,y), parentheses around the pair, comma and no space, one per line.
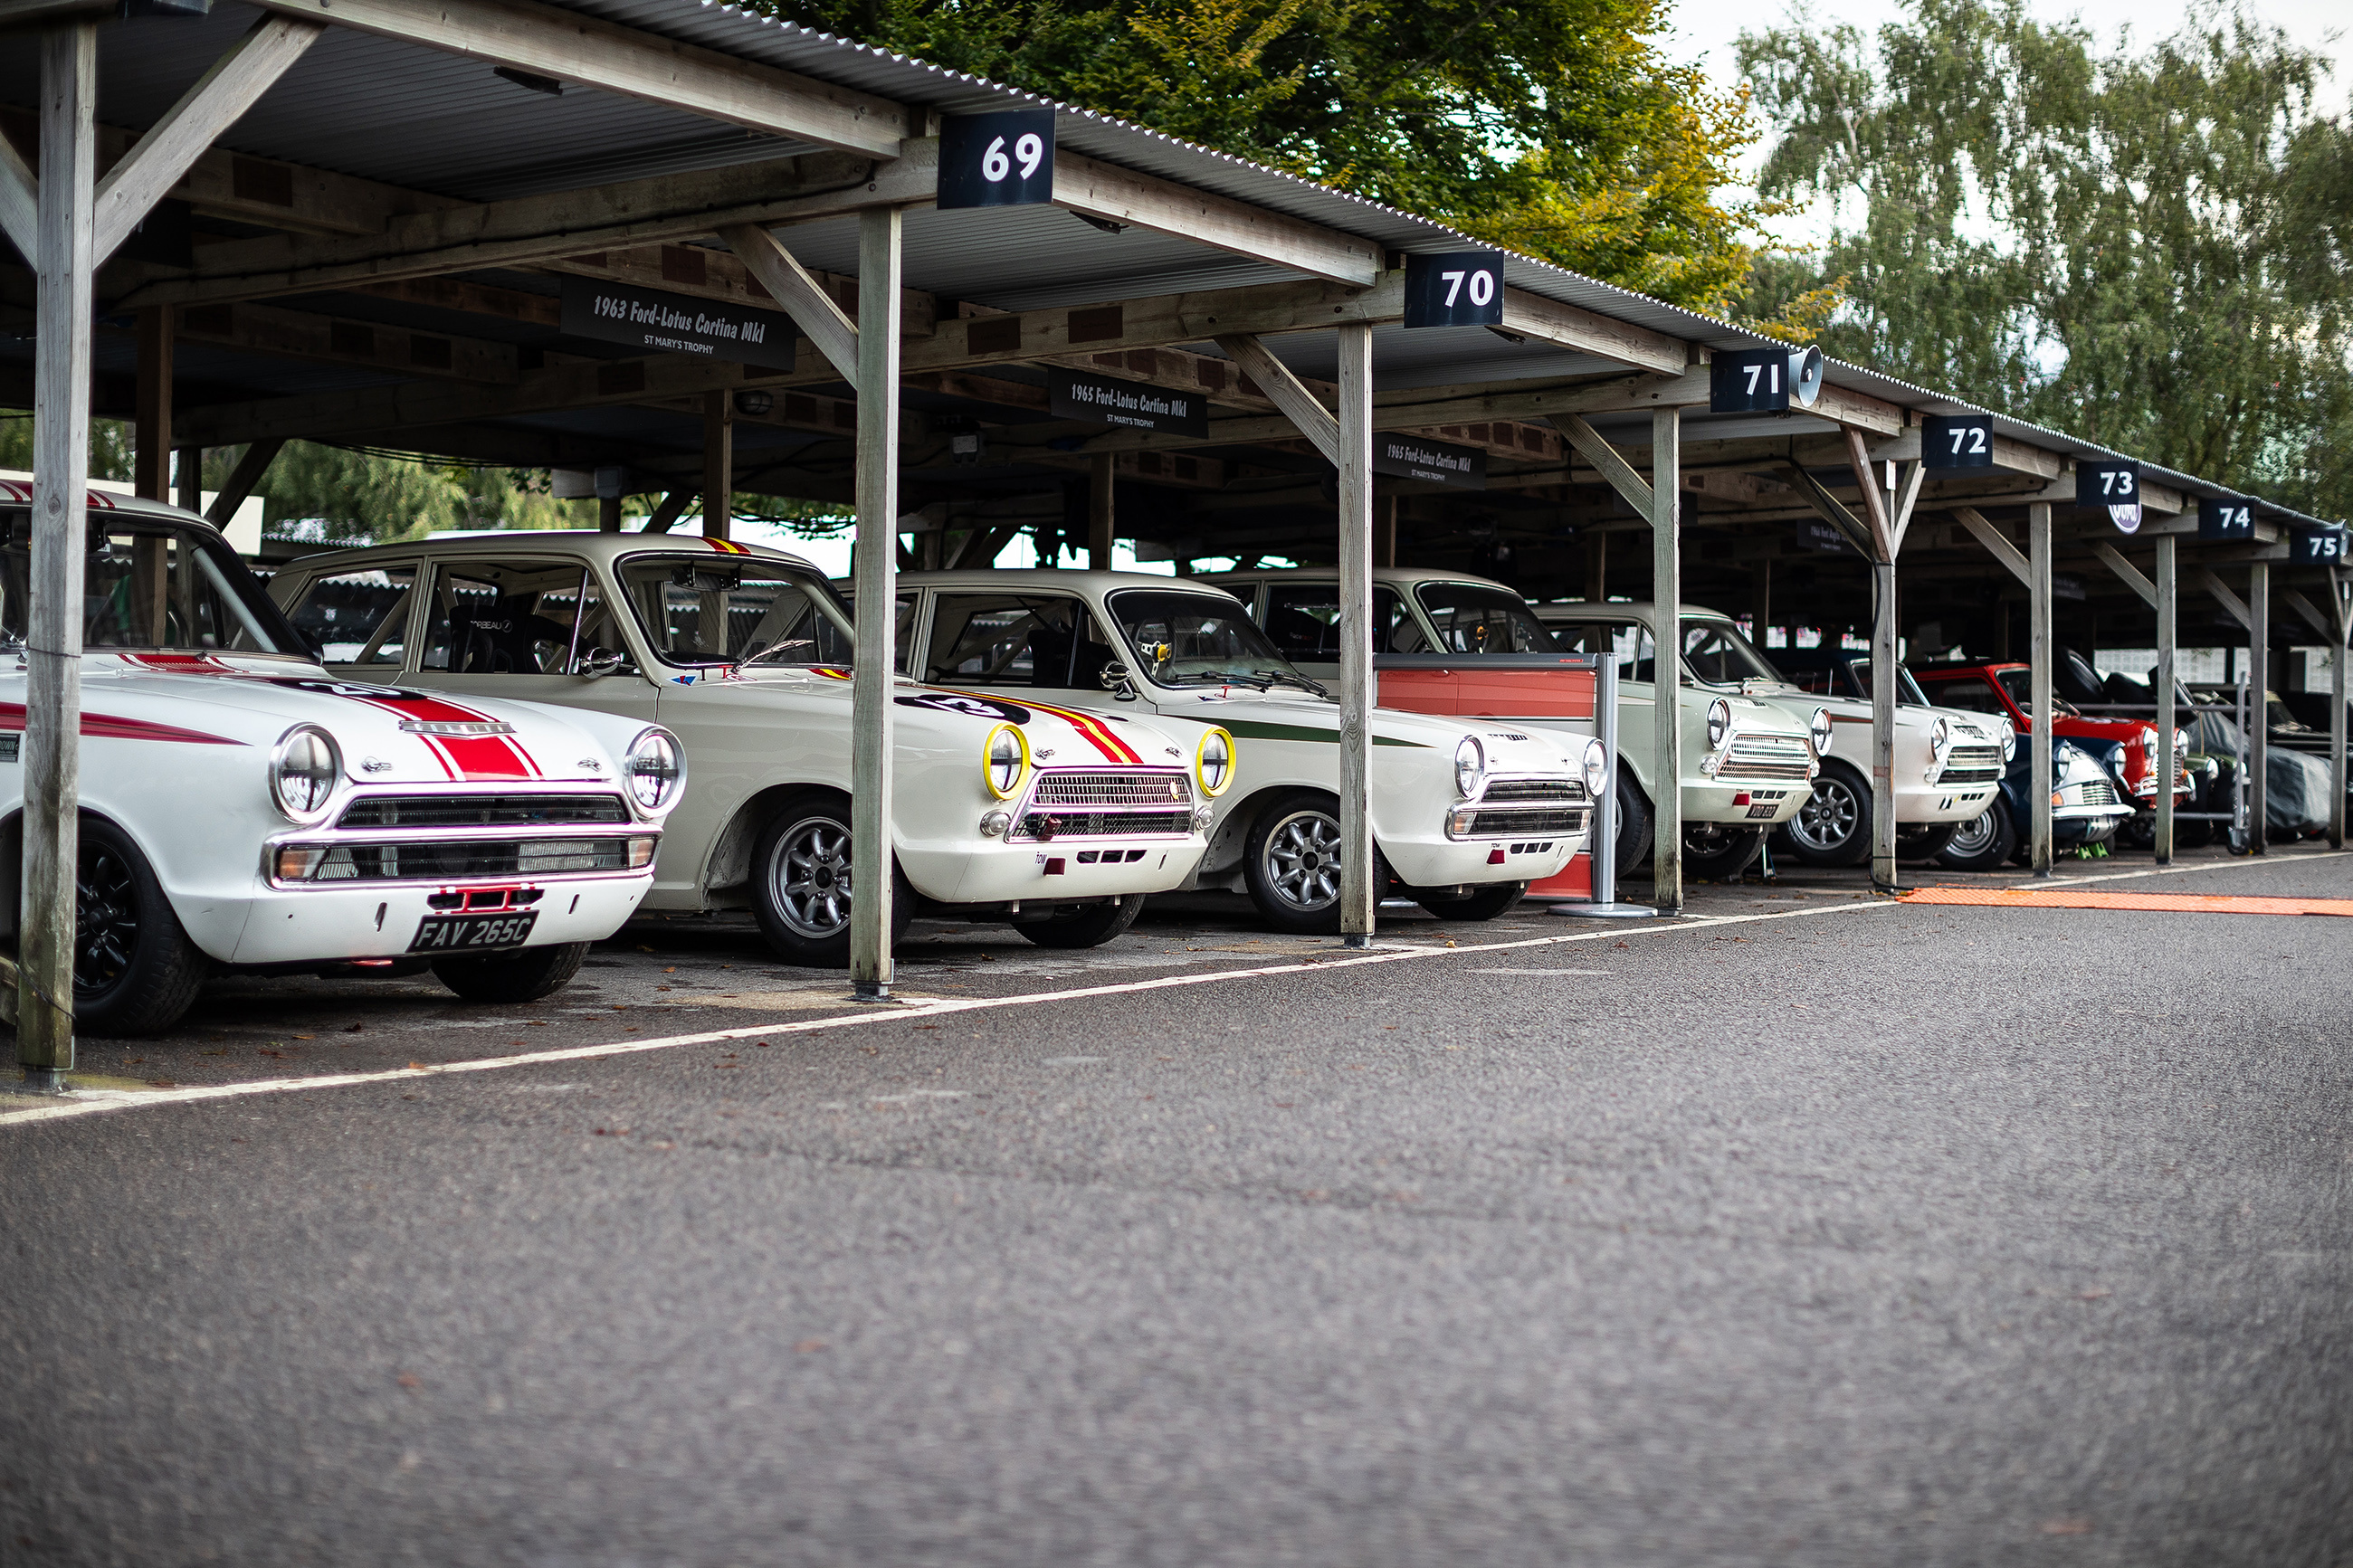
(91,1103)
(1547,973)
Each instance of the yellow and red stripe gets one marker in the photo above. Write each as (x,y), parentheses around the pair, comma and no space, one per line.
(1093,729)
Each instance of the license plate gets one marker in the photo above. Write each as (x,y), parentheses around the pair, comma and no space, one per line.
(471,933)
(1756,811)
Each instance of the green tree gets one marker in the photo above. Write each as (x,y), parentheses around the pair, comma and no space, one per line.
(1554,126)
(2147,248)
(109,446)
(368,495)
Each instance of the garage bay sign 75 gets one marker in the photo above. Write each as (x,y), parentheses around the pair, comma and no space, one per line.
(648,318)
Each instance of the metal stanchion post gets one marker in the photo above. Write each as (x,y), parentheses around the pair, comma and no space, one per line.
(1603,838)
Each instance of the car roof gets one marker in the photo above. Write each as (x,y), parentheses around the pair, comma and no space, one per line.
(1400,576)
(19,492)
(593,543)
(1060,577)
(1592,610)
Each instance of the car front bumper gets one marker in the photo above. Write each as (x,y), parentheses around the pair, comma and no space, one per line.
(993,871)
(379,920)
(1750,804)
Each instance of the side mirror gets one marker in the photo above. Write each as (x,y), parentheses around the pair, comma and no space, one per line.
(599,662)
(1115,681)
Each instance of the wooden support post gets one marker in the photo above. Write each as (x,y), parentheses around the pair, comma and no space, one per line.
(150,469)
(1100,516)
(1359,896)
(242,480)
(2259,677)
(2168,635)
(608,515)
(717,464)
(64,265)
(190,469)
(673,506)
(876,573)
(1666,595)
(1885,680)
(2038,587)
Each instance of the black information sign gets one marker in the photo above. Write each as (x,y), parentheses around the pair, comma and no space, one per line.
(1749,380)
(1461,289)
(1956,441)
(674,324)
(2225,517)
(1074,394)
(2316,545)
(2113,483)
(1412,458)
(996,160)
(1821,536)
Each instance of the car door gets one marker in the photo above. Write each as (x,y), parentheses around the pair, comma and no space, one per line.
(523,626)
(1302,620)
(361,620)
(1047,645)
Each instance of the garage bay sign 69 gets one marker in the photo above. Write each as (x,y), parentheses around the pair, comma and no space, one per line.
(649,319)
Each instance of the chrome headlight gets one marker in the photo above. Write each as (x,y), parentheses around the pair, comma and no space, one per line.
(1005,760)
(1469,766)
(2008,740)
(1818,731)
(1719,722)
(2181,743)
(1596,769)
(1213,762)
(303,771)
(1940,736)
(2148,743)
(657,771)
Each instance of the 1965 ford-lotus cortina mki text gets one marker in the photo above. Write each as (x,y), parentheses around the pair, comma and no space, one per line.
(1054,818)
(242,808)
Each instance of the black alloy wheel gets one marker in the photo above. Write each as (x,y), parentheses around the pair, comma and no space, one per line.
(1982,843)
(1720,851)
(524,975)
(1088,925)
(1484,904)
(135,971)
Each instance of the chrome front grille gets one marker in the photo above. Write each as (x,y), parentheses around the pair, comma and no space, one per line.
(2101,793)
(1766,757)
(1524,822)
(482,811)
(458,861)
(1971,764)
(1043,826)
(1128,788)
(1535,791)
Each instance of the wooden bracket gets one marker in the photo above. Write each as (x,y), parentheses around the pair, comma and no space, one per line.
(1301,406)
(2125,570)
(1589,445)
(802,296)
(2227,599)
(1989,536)
(1833,510)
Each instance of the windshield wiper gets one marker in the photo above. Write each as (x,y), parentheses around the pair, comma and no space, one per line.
(1221,677)
(1295,679)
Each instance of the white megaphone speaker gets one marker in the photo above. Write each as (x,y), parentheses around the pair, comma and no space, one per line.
(1805,376)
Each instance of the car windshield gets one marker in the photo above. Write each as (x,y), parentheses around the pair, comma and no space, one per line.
(702,610)
(1195,639)
(153,585)
(1471,618)
(2020,685)
(1717,655)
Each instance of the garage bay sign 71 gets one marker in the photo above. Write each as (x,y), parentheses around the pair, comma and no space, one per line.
(673,323)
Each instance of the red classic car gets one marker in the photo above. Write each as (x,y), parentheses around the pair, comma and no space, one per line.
(2128,746)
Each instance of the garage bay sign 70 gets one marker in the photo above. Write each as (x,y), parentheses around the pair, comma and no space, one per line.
(649,319)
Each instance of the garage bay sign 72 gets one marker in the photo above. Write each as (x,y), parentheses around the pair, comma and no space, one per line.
(673,323)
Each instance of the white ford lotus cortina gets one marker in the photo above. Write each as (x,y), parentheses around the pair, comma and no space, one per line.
(1029,811)
(243,809)
(1465,815)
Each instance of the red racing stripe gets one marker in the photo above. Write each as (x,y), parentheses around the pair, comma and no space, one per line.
(468,757)
(1113,748)
(109,727)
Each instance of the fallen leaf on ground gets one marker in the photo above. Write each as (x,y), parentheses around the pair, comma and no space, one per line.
(163,1083)
(2066,1526)
(409,1380)
(354,1028)
(806,1346)
(2093,1295)
(417,1067)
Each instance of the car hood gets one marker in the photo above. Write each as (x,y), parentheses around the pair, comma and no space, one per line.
(388,734)
(1282,717)
(1058,736)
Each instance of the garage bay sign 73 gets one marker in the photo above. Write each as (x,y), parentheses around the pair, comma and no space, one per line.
(673,323)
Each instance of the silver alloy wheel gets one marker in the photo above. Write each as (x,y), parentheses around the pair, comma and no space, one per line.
(808,878)
(1829,818)
(1302,861)
(1974,836)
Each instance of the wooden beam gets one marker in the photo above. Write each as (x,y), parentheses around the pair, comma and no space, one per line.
(1617,470)
(1859,411)
(574,47)
(2311,615)
(673,506)
(1299,405)
(172,145)
(529,230)
(334,339)
(1907,498)
(804,298)
(2003,550)
(1113,194)
(705,272)
(20,200)
(717,464)
(472,299)
(2236,607)
(1874,503)
(242,480)
(2115,561)
(1585,331)
(1833,512)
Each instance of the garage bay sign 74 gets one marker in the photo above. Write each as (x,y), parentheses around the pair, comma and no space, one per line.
(649,319)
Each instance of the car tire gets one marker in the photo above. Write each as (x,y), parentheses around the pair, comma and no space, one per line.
(2192,834)
(1091,925)
(1925,843)
(135,971)
(1719,852)
(524,977)
(800,883)
(1983,843)
(1833,828)
(1291,864)
(1633,824)
(1484,905)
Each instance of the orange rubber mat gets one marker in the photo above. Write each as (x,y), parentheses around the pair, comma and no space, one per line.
(2180,903)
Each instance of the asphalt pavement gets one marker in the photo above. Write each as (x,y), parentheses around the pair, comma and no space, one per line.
(1819,1230)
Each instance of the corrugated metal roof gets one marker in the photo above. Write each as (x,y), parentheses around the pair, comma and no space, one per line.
(419,117)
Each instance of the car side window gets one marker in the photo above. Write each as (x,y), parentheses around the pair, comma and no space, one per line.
(1630,645)
(1973,693)
(1014,640)
(1302,620)
(504,617)
(357,618)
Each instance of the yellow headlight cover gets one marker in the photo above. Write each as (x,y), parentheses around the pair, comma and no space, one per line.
(992,761)
(1213,782)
